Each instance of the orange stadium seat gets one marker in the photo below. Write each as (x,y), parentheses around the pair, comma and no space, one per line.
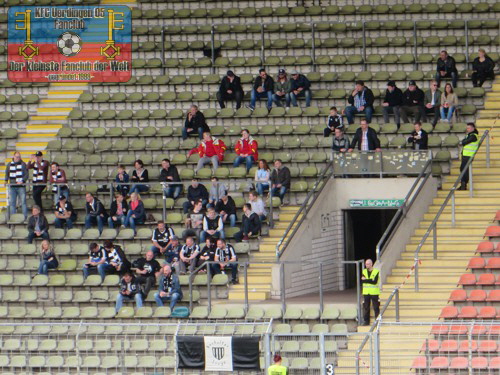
(449,312)
(479,363)
(477,295)
(494,330)
(458,329)
(476,263)
(487,346)
(487,312)
(485,247)
(493,263)
(467,279)
(492,231)
(486,279)
(468,312)
(440,363)
(458,295)
(479,329)
(440,329)
(459,363)
(468,345)
(493,296)
(419,363)
(431,345)
(448,346)
(494,363)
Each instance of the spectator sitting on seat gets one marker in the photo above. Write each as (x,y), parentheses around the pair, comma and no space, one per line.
(118,211)
(340,141)
(250,224)
(413,102)
(213,225)
(262,176)
(392,102)
(97,256)
(38,227)
(207,254)
(449,102)
(365,138)
(122,177)
(300,87)
(40,172)
(247,150)
(282,88)
(172,253)
(194,221)
(280,180)
(161,238)
(189,256)
(334,121)
(116,261)
(58,176)
(129,290)
(230,89)
(226,258)
(217,191)
(64,213)
(169,174)
(446,68)
(136,213)
(147,269)
(16,175)
(95,212)
(139,176)
(195,192)
(262,88)
(195,123)
(48,258)
(483,68)
(361,101)
(418,138)
(227,209)
(432,101)
(211,150)
(258,205)
(169,288)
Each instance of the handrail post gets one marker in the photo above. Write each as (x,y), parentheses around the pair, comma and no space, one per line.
(471,182)
(434,242)
(282,287)
(358,289)
(245,274)
(376,349)
(209,289)
(321,287)
(164,213)
(397,305)
(164,68)
(212,40)
(190,294)
(271,219)
(416,275)
(111,190)
(453,209)
(466,30)
(364,45)
(488,150)
(313,47)
(262,42)
(415,50)
(381,164)
(322,353)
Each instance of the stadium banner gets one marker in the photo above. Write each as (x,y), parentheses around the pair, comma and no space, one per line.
(218,353)
(69,44)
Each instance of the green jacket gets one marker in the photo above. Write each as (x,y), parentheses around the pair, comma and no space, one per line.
(283,86)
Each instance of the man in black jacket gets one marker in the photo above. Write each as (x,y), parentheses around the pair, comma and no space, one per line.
(169,173)
(340,141)
(470,146)
(116,261)
(413,103)
(446,68)
(392,102)
(96,214)
(129,290)
(280,179)
(361,101)
(64,213)
(195,192)
(230,89)
(37,225)
(418,138)
(147,269)
(365,138)
(262,88)
(161,238)
(195,123)
(300,87)
(16,174)
(227,209)
(40,173)
(250,224)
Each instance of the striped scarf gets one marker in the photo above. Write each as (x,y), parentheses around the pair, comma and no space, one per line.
(38,172)
(16,172)
(359,100)
(55,177)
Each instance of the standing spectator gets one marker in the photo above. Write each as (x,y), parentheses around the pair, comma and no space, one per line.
(300,87)
(226,258)
(40,172)
(365,138)
(161,238)
(413,102)
(64,213)
(207,254)
(194,221)
(172,253)
(280,179)
(129,291)
(334,121)
(195,193)
(392,102)
(213,225)
(262,88)
(470,145)
(169,288)
(482,68)
(136,213)
(217,191)
(446,68)
(58,176)
(37,225)
(118,211)
(116,261)
(432,101)
(230,89)
(262,176)
(227,209)
(169,174)
(371,291)
(247,150)
(340,141)
(16,175)
(147,269)
(250,224)
(195,123)
(189,256)
(418,138)
(122,177)
(282,88)
(449,101)
(211,150)
(258,205)
(277,367)
(48,258)
(361,101)
(139,175)
(95,212)
(97,256)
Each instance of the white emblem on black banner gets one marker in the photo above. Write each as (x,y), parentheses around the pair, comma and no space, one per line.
(218,353)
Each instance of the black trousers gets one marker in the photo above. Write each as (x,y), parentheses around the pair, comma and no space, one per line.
(37,195)
(465,177)
(147,283)
(237,96)
(432,111)
(375,300)
(478,78)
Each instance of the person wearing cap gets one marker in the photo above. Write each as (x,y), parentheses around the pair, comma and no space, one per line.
(195,123)
(361,101)
(282,88)
(247,150)
(58,177)
(277,368)
(446,68)
(392,102)
(413,103)
(432,101)
(16,175)
(40,172)
(64,213)
(262,88)
(301,86)
(230,89)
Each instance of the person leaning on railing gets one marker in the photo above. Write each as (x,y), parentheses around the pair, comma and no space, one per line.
(16,175)
(470,145)
(365,138)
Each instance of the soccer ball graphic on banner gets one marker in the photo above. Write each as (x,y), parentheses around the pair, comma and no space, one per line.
(69,44)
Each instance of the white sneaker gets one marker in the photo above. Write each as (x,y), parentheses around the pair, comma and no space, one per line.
(287,109)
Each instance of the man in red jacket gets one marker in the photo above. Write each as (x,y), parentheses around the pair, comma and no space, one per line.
(211,150)
(246,149)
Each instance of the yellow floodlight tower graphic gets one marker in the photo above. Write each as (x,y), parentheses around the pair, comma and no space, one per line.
(27,50)
(110,51)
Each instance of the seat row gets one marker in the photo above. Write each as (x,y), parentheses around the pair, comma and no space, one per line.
(457,363)
(460,346)
(476,329)
(483,279)
(488,248)
(19,99)
(469,312)
(475,295)
(480,263)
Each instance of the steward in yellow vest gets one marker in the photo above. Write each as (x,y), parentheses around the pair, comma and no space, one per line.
(277,368)
(470,145)
(371,291)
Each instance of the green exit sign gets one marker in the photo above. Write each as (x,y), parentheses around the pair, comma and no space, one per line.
(376,202)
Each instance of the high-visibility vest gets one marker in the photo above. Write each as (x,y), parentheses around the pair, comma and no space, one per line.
(371,289)
(471,148)
(277,370)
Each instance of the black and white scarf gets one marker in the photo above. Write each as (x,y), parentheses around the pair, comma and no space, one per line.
(16,172)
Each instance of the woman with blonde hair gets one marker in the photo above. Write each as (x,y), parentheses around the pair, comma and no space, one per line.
(48,258)
(136,213)
(483,68)
(449,102)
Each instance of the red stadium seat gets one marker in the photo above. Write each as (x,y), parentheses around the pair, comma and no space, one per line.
(486,279)
(479,363)
(448,346)
(485,247)
(468,345)
(479,329)
(440,363)
(477,295)
(449,312)
(419,362)
(492,231)
(458,330)
(467,279)
(487,346)
(493,263)
(494,363)
(458,295)
(476,263)
(459,363)
(433,346)
(439,329)
(487,312)
(494,330)
(494,296)
(468,312)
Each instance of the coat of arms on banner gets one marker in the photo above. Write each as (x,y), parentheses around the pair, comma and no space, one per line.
(218,353)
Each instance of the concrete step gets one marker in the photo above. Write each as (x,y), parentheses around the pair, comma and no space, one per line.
(252,296)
